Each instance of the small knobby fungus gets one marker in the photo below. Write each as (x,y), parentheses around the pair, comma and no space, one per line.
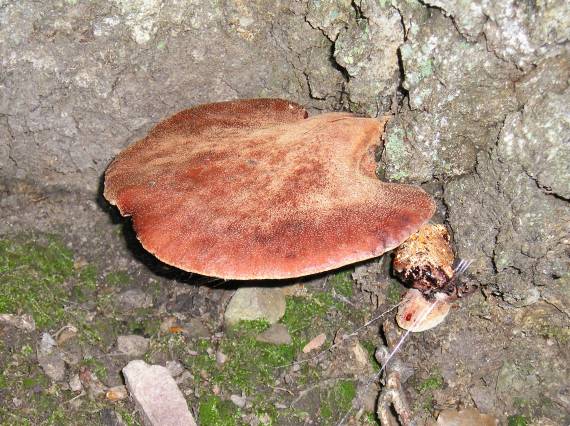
(253,189)
(425,261)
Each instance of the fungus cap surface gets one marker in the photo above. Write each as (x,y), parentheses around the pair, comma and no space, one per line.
(253,189)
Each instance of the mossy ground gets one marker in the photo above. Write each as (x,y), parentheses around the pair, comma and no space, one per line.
(43,277)
(40,278)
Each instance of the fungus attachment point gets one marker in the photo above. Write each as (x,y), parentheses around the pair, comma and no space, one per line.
(425,260)
(253,189)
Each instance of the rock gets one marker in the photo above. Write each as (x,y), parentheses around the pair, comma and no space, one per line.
(367,49)
(277,334)
(465,417)
(185,377)
(483,397)
(221,358)
(435,136)
(22,322)
(134,299)
(238,400)
(116,393)
(75,384)
(132,345)
(156,395)
(66,333)
(251,303)
(50,358)
(360,355)
(195,329)
(174,368)
(315,343)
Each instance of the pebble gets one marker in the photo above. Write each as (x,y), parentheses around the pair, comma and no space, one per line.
(132,345)
(21,322)
(75,384)
(195,329)
(156,395)
(221,358)
(238,400)
(251,303)
(66,333)
(277,334)
(50,358)
(116,393)
(360,355)
(186,376)
(315,343)
(465,417)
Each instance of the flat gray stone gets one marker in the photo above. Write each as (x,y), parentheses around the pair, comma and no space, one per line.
(277,334)
(156,395)
(50,358)
(132,345)
(251,303)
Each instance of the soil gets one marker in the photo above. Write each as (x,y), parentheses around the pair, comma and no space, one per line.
(78,266)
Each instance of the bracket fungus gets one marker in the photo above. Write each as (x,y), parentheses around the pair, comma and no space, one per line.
(256,189)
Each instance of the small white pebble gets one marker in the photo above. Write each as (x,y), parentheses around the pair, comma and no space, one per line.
(221,358)
(238,400)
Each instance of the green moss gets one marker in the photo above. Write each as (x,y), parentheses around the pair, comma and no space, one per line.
(327,301)
(96,367)
(143,323)
(117,278)
(241,348)
(27,350)
(560,334)
(300,312)
(215,412)
(370,348)
(38,379)
(394,292)
(127,416)
(342,283)
(88,276)
(33,273)
(435,381)
(337,400)
(249,363)
(517,420)
(370,419)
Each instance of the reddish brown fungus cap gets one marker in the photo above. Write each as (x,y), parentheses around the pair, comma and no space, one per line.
(253,189)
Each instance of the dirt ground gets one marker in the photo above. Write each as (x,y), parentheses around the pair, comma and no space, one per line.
(72,264)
